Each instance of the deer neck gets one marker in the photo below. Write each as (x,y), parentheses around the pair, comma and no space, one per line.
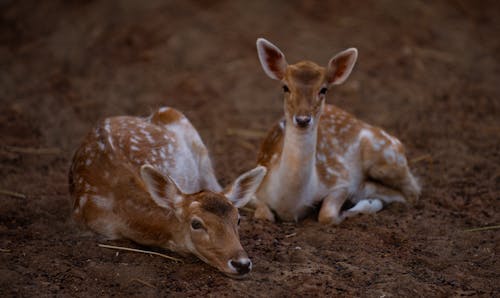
(298,157)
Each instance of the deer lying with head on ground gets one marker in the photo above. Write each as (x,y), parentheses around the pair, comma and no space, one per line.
(320,154)
(150,180)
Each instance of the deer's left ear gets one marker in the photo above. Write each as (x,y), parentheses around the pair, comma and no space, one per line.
(340,66)
(162,189)
(242,189)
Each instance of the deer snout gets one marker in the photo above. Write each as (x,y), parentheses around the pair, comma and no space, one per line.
(302,121)
(241,266)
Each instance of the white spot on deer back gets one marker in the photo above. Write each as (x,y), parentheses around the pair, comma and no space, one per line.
(401,160)
(377,144)
(366,134)
(389,154)
(321,157)
(163,154)
(107,128)
(149,138)
(391,139)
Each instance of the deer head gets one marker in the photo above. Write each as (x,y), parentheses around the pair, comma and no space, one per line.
(208,221)
(305,83)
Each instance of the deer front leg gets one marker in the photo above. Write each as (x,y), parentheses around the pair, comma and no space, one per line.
(330,208)
(262,211)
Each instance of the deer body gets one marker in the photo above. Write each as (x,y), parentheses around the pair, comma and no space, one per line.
(150,180)
(321,154)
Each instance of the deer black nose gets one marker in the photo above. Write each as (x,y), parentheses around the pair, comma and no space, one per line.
(302,121)
(242,265)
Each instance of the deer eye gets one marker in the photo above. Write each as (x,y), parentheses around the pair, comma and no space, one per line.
(196,224)
(285,88)
(323,91)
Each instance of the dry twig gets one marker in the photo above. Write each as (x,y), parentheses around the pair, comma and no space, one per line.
(247,145)
(290,235)
(12,194)
(34,151)
(141,251)
(144,283)
(483,229)
(420,158)
(4,250)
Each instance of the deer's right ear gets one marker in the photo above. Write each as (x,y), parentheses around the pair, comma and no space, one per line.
(272,59)
(163,190)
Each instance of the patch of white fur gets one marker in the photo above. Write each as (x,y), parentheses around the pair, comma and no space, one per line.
(82,201)
(194,204)
(367,134)
(345,129)
(103,202)
(150,138)
(401,160)
(291,187)
(367,206)
(101,145)
(163,154)
(391,139)
(189,245)
(389,154)
(107,128)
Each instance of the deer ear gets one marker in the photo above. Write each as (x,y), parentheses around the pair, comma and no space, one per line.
(243,188)
(272,59)
(163,190)
(340,66)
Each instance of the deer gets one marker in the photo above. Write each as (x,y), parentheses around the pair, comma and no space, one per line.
(150,180)
(320,156)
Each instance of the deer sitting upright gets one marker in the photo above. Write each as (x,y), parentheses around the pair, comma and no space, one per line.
(151,180)
(321,154)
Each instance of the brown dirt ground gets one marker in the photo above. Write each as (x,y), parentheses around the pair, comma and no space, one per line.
(428,72)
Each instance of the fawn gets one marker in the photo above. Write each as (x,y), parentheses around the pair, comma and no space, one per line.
(319,153)
(150,180)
